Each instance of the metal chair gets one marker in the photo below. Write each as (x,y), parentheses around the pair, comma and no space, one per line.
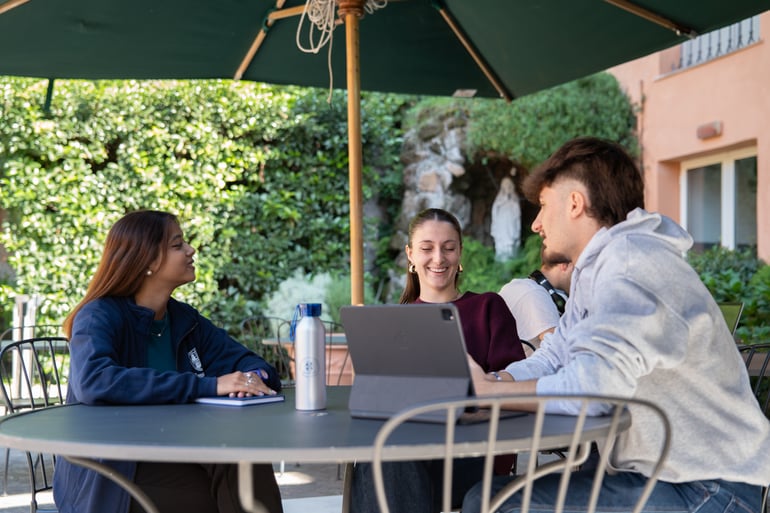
(12,334)
(528,346)
(577,450)
(25,332)
(265,335)
(333,330)
(732,313)
(33,373)
(757,358)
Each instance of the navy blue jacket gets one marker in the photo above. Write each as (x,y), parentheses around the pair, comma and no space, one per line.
(108,365)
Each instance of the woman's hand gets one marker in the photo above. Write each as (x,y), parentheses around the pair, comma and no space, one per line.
(499,383)
(487,383)
(477,373)
(243,384)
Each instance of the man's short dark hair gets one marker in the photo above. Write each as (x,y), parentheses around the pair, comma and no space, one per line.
(613,181)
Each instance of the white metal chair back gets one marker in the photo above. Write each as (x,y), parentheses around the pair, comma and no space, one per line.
(497,442)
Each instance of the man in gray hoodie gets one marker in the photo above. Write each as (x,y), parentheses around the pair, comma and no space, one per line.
(639,323)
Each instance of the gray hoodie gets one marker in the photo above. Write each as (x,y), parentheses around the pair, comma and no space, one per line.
(640,323)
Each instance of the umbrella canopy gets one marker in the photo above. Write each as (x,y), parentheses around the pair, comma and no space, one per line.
(406,47)
(489,48)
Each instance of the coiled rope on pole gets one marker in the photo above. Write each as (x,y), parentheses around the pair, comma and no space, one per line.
(322,20)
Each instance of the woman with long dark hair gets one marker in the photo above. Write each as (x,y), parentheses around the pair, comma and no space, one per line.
(434,252)
(132,343)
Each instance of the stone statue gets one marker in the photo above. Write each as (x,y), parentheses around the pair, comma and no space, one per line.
(506,221)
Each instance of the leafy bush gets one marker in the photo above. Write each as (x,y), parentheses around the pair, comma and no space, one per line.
(338,295)
(527,131)
(530,128)
(742,263)
(483,273)
(738,275)
(298,288)
(257,174)
(756,315)
(729,275)
(331,290)
(527,260)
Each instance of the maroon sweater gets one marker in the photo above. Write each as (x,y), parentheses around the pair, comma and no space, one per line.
(491,339)
(489,330)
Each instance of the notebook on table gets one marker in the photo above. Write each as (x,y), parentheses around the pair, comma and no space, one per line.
(223,400)
(404,355)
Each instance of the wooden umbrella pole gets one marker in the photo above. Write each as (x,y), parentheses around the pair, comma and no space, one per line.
(350,11)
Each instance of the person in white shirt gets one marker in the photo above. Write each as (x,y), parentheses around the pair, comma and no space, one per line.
(537,301)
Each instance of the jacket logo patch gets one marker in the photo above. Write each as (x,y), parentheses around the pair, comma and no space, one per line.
(195,360)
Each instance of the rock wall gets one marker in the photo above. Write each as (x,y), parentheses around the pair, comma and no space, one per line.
(438,173)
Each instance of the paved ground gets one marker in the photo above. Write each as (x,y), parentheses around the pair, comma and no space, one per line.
(305,488)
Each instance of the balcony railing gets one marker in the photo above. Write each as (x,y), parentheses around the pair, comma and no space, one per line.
(718,42)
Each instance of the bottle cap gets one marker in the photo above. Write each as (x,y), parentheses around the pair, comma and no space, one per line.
(303,310)
(310,309)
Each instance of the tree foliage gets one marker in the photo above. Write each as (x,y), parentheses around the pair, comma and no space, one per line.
(532,127)
(738,276)
(257,174)
(527,131)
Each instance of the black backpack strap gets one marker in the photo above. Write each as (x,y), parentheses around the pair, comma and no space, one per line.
(557,298)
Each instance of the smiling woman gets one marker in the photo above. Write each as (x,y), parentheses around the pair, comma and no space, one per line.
(434,252)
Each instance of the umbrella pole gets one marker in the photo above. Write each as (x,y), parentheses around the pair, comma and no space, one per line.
(351,11)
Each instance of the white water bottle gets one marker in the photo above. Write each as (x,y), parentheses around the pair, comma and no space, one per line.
(308,335)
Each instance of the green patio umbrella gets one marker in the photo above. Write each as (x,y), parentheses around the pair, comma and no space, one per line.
(488,48)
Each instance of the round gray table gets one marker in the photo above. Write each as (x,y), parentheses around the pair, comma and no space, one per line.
(254,434)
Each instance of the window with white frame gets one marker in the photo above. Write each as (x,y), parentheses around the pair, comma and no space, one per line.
(719,199)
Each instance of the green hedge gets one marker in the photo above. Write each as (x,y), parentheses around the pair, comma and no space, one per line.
(738,276)
(258,175)
(532,127)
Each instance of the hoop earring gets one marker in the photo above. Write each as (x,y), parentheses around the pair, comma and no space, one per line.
(460,269)
(412,269)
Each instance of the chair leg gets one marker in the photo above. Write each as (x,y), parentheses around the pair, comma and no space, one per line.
(347,487)
(5,473)
(342,368)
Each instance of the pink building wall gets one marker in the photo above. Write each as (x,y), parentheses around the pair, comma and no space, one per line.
(733,89)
